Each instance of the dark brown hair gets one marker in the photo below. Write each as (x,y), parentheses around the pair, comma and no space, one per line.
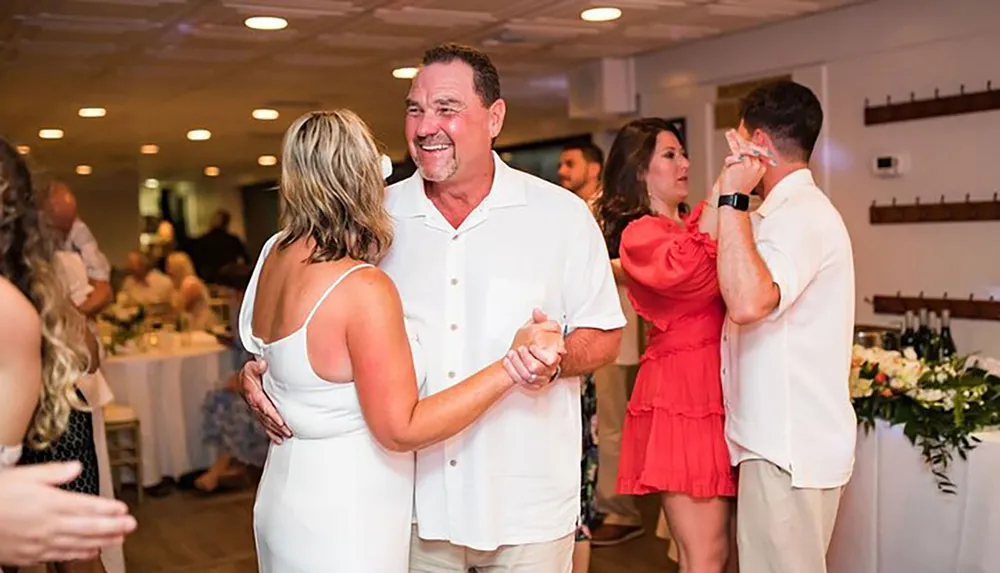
(623,196)
(788,112)
(484,74)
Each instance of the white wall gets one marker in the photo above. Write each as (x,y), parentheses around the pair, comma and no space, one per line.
(886,47)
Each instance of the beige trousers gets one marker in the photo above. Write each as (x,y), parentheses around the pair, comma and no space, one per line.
(444,557)
(611,384)
(780,528)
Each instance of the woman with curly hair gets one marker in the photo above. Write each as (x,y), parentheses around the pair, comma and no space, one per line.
(42,408)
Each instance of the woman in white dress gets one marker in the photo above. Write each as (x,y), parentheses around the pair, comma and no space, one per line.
(338,496)
(191,300)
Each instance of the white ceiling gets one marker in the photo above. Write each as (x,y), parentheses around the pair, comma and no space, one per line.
(162,67)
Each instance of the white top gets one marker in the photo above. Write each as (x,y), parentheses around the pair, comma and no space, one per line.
(785,378)
(513,477)
(156,289)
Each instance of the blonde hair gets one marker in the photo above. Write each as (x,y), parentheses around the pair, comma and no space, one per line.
(26,252)
(332,190)
(179,263)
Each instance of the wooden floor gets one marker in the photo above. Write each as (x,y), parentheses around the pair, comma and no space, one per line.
(186,533)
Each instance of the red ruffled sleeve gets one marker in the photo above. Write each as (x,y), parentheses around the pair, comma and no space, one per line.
(666,259)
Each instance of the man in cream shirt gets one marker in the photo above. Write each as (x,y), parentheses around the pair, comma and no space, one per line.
(788,281)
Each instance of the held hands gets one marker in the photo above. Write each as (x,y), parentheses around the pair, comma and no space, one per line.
(744,167)
(534,356)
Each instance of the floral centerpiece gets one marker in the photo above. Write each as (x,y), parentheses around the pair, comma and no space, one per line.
(940,404)
(126,324)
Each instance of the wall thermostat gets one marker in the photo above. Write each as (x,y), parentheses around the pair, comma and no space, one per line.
(889,165)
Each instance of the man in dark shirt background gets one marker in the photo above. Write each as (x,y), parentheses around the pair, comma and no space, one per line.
(218,248)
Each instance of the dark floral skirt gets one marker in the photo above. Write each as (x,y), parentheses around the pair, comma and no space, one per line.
(588,461)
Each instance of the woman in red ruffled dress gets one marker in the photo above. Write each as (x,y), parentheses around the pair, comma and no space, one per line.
(673,440)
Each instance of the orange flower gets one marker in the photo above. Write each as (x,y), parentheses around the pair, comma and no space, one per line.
(880,377)
(886,392)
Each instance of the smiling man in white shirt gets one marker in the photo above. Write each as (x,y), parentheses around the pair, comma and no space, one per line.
(787,276)
(478,245)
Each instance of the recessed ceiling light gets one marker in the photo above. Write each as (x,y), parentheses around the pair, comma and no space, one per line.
(199,134)
(50,133)
(151,183)
(404,73)
(93,112)
(266,23)
(267,160)
(265,114)
(23,149)
(211,171)
(601,14)
(149,149)
(83,170)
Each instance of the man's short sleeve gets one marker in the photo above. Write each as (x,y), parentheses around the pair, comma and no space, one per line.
(591,296)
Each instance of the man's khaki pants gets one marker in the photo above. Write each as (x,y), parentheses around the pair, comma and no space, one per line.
(780,528)
(444,557)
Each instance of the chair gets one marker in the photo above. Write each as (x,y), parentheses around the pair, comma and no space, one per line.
(120,421)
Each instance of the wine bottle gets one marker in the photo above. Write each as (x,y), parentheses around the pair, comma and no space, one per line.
(923,335)
(932,352)
(947,343)
(909,336)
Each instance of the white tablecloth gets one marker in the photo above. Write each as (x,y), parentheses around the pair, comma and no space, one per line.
(894,520)
(166,389)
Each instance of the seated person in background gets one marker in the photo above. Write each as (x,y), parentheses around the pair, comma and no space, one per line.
(191,298)
(228,428)
(145,285)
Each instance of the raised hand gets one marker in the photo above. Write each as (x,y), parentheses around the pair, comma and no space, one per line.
(739,147)
(252,390)
(743,169)
(536,352)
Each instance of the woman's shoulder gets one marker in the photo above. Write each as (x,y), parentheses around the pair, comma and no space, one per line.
(22,325)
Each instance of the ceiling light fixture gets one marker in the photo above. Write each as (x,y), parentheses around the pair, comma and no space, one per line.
(600,14)
(149,149)
(267,160)
(23,149)
(211,171)
(50,133)
(265,114)
(151,183)
(199,135)
(83,170)
(92,112)
(404,73)
(266,23)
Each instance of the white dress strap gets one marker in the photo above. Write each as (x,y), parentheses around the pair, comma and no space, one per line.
(329,289)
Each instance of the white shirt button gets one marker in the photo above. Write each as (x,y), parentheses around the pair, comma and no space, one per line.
(453,463)
(454,327)
(451,374)
(454,281)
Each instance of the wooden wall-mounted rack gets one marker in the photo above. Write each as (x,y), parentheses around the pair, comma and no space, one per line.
(937,107)
(935,212)
(969,308)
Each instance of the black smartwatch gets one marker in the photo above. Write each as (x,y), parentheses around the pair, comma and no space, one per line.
(737,201)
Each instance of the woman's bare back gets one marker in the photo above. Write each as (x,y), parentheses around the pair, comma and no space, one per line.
(288,289)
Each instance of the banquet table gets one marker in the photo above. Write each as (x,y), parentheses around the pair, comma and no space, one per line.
(893,519)
(166,387)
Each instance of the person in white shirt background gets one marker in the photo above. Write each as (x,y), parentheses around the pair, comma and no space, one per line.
(145,284)
(787,276)
(478,246)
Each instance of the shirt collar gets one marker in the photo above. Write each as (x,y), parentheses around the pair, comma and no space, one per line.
(784,190)
(410,200)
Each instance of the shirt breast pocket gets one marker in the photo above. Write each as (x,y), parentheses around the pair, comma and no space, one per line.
(508,305)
